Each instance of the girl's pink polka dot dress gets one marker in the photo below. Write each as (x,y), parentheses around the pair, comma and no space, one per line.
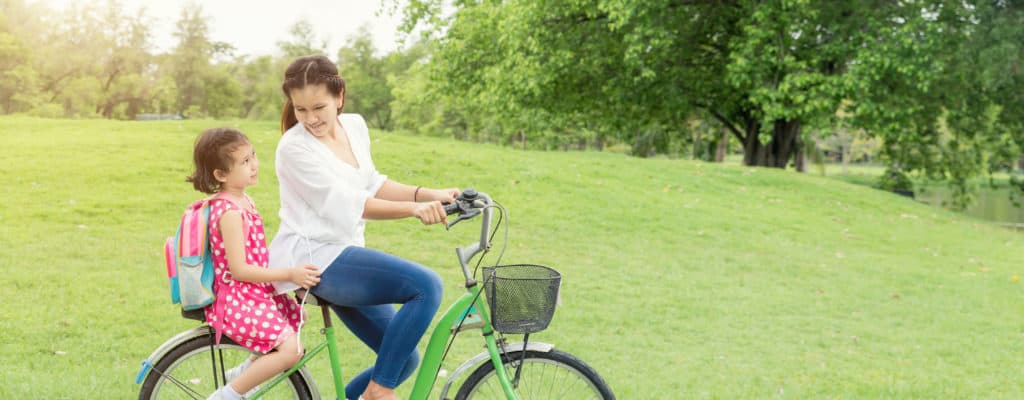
(248,313)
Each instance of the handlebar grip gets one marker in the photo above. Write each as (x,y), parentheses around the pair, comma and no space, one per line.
(451,208)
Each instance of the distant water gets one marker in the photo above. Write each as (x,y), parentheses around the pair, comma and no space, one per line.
(990,204)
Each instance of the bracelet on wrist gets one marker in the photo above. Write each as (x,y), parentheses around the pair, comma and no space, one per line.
(415,194)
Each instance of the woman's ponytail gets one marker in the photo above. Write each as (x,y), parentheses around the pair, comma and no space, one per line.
(288,119)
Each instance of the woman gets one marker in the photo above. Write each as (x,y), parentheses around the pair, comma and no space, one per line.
(329,187)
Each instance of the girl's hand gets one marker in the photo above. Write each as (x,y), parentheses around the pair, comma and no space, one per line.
(430,213)
(305,275)
(442,195)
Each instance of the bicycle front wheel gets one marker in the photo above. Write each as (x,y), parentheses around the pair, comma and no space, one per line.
(190,371)
(542,375)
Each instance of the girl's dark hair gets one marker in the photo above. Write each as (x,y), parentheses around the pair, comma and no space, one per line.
(305,71)
(212,152)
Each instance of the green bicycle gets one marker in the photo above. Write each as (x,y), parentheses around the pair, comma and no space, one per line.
(520,299)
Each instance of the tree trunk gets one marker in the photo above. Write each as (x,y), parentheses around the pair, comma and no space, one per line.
(108,110)
(133,108)
(845,155)
(723,146)
(698,145)
(800,160)
(778,151)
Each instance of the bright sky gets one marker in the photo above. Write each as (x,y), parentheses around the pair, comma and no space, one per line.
(255,27)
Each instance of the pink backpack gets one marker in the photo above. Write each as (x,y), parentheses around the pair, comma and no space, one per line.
(188,258)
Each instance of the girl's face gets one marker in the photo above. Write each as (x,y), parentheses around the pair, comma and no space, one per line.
(317,109)
(244,170)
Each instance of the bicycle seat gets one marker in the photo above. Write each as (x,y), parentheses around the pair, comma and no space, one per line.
(198,314)
(311,299)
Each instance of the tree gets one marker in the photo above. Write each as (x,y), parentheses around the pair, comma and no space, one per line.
(68,74)
(369,77)
(988,113)
(124,59)
(261,94)
(18,80)
(765,70)
(366,86)
(190,61)
(303,41)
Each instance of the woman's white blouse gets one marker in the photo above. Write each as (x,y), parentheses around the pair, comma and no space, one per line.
(322,197)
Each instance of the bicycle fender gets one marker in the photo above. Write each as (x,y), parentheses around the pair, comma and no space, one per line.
(165,348)
(484,356)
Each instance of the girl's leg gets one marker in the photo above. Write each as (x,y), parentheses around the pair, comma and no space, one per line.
(365,277)
(369,323)
(266,366)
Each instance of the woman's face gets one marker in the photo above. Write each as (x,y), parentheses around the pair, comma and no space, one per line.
(316,109)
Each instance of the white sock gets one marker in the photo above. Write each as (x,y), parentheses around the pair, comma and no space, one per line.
(245,364)
(233,373)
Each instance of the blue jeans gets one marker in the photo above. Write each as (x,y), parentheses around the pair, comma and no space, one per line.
(362,285)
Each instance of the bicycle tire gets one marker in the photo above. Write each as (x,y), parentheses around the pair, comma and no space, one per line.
(187,372)
(545,375)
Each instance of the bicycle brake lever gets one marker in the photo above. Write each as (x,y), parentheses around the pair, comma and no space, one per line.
(469,214)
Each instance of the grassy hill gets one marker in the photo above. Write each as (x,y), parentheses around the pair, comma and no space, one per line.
(681,279)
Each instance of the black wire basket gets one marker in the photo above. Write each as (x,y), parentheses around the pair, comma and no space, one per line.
(521,297)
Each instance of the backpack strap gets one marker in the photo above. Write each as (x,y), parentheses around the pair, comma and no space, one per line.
(193,234)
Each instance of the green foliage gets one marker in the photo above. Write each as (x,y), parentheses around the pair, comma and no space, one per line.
(302,42)
(94,60)
(895,180)
(190,66)
(368,90)
(635,70)
(223,91)
(18,80)
(260,80)
(936,83)
(626,69)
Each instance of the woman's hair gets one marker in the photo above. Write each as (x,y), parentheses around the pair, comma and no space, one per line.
(305,71)
(212,152)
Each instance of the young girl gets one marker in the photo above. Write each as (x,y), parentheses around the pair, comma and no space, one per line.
(246,309)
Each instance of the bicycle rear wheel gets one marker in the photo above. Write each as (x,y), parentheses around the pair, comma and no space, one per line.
(544,375)
(189,370)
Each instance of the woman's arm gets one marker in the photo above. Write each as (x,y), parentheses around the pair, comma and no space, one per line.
(428,213)
(230,226)
(396,191)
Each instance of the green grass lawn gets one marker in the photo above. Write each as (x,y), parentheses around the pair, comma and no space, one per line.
(681,279)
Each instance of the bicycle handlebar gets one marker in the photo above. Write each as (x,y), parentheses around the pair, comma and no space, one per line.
(466,206)
(471,204)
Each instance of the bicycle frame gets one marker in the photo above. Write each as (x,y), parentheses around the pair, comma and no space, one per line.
(434,353)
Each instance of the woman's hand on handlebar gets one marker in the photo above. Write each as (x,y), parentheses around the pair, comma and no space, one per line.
(430,213)
(305,275)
